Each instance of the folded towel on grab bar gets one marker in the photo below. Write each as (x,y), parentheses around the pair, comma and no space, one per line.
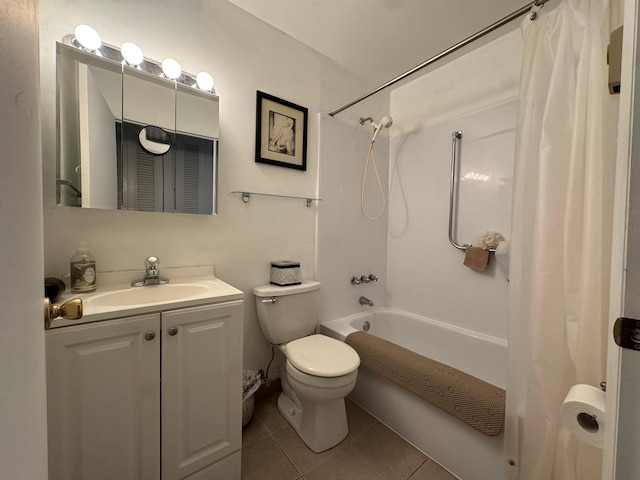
(476,258)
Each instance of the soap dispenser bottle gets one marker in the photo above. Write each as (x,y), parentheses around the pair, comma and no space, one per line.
(82,268)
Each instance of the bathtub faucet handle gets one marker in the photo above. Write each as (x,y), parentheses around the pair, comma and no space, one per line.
(365,279)
(355,280)
(373,278)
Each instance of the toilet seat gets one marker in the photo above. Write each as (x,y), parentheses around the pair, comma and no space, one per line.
(321,356)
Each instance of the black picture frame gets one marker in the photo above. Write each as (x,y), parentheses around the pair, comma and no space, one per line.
(281,132)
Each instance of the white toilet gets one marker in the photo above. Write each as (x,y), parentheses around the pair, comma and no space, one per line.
(320,371)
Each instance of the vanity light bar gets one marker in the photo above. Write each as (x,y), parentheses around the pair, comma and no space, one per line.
(134,54)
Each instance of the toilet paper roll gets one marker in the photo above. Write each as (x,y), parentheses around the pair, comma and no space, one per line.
(583,414)
(502,257)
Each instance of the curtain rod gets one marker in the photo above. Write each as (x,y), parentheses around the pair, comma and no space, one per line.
(494,26)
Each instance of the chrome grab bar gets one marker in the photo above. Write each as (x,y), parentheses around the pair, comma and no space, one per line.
(456,137)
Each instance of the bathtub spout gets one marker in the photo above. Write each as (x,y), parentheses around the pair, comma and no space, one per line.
(366,301)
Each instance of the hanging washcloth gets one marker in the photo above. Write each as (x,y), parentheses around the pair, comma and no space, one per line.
(476,258)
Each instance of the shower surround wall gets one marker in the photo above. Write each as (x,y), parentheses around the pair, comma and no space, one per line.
(348,243)
(426,274)
(476,94)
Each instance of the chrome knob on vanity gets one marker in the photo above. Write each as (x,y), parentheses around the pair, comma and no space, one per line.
(173,331)
(150,335)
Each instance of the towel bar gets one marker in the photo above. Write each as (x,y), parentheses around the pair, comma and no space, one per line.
(456,137)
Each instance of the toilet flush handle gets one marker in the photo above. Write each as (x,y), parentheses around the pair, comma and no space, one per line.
(270,300)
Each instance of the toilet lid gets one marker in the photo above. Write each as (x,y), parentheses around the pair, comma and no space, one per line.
(322,356)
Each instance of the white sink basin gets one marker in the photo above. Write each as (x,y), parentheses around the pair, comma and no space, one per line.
(115,298)
(149,294)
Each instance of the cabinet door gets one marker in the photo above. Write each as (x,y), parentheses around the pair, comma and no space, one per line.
(201,387)
(104,400)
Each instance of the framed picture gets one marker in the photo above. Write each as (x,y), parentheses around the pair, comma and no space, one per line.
(281,132)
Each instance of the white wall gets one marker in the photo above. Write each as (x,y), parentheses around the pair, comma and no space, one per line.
(348,243)
(475,94)
(243,54)
(23,447)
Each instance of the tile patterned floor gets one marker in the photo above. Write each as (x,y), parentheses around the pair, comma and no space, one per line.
(271,450)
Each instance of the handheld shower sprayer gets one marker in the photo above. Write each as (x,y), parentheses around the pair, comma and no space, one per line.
(385,122)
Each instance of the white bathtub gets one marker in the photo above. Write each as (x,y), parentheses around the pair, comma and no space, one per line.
(459,448)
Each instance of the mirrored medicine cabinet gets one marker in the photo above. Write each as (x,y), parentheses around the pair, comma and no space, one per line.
(132,140)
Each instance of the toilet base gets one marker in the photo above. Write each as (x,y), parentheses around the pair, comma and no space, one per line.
(319,425)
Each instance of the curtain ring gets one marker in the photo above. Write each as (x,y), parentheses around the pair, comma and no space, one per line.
(535,8)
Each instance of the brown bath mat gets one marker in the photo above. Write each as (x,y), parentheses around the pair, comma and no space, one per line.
(466,397)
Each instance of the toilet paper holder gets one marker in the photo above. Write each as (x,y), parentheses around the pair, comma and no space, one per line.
(583,413)
(590,422)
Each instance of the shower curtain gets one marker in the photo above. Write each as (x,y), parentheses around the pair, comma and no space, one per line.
(561,227)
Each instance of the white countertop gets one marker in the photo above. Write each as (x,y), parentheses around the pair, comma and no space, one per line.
(117,300)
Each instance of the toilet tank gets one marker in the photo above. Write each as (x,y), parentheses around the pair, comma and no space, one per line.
(294,314)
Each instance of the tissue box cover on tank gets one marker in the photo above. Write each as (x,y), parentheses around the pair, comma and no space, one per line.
(285,273)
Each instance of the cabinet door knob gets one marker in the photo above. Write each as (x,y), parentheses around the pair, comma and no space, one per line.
(150,335)
(173,331)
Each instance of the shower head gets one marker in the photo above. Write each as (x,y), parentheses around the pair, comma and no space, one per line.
(385,122)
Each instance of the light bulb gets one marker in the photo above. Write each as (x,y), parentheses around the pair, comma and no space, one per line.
(205,81)
(88,37)
(132,53)
(171,68)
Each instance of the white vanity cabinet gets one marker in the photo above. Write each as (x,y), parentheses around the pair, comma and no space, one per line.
(148,397)
(201,388)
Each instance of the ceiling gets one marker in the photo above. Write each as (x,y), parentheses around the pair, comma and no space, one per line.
(380,39)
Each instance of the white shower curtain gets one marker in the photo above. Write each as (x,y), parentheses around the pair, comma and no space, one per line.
(560,245)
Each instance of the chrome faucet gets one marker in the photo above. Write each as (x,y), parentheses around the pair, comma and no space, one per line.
(151,274)
(366,301)
(363,279)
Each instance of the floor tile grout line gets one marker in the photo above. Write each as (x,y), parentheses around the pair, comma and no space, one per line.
(428,459)
(364,431)
(284,451)
(362,455)
(271,434)
(266,432)
(335,448)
